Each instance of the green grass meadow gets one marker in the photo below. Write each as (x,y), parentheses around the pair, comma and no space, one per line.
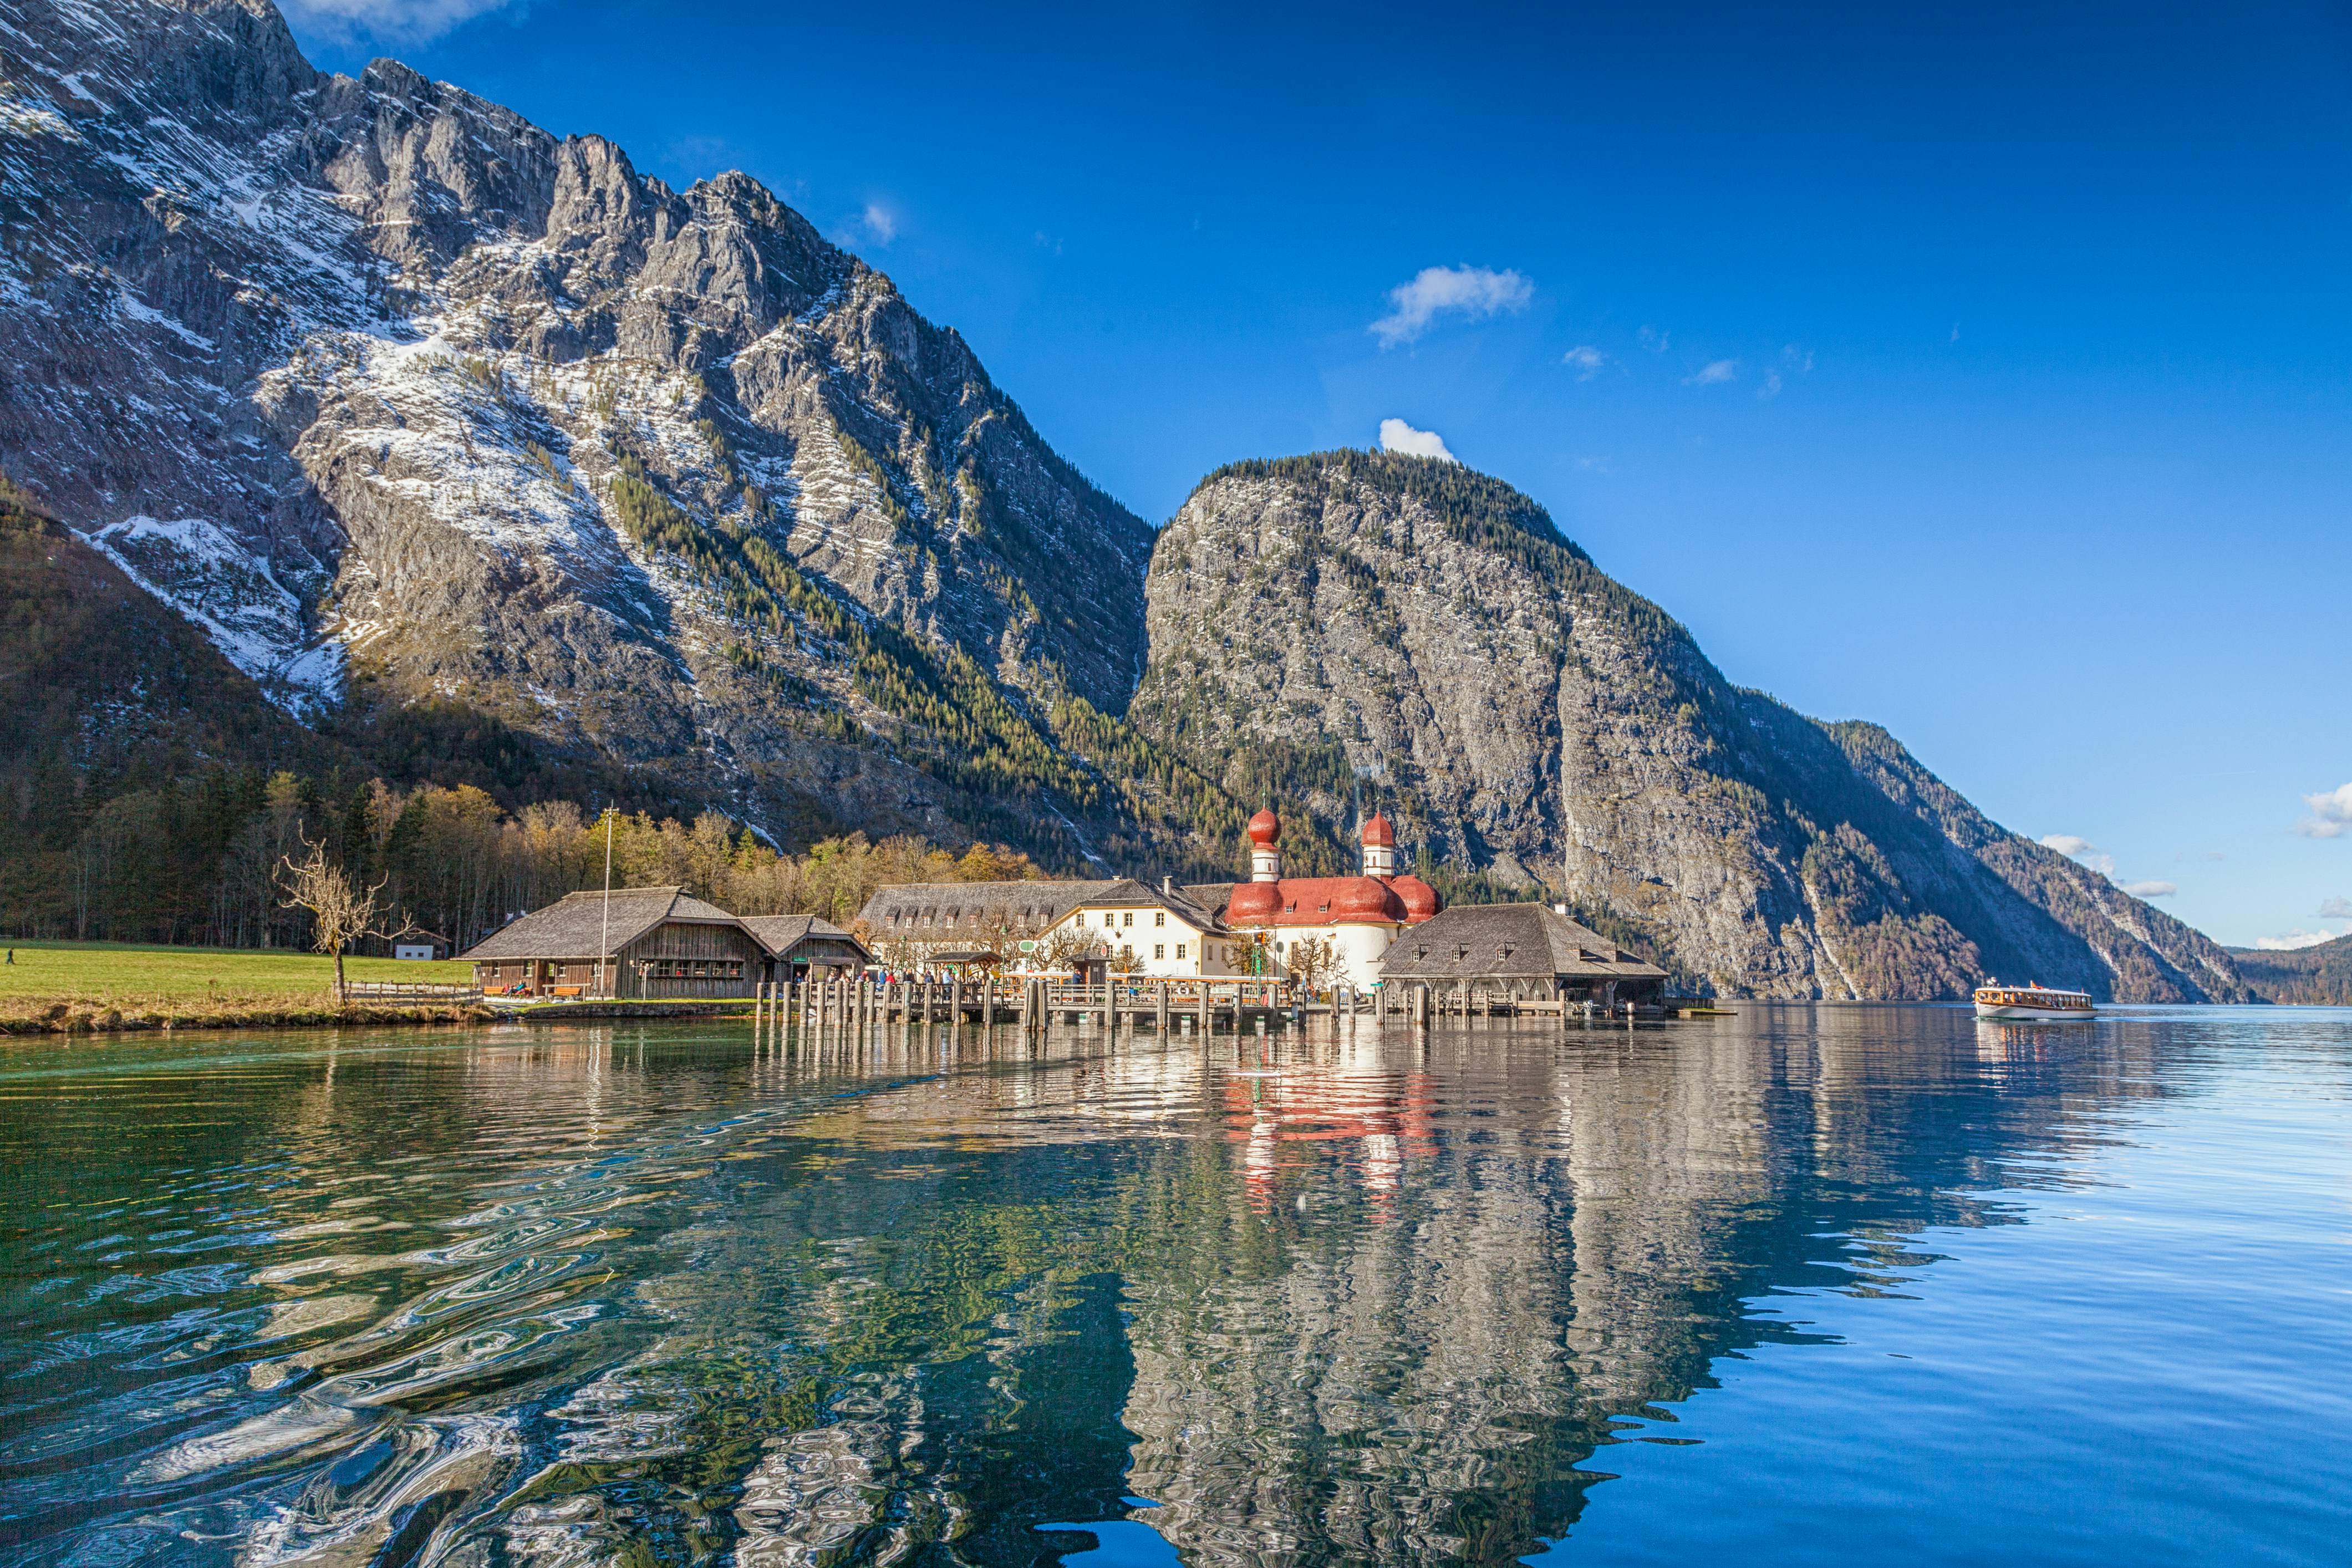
(100,976)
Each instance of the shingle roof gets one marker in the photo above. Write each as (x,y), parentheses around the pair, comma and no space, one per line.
(781,933)
(576,925)
(946,912)
(1501,942)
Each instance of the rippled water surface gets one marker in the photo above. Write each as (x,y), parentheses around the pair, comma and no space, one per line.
(1841,1286)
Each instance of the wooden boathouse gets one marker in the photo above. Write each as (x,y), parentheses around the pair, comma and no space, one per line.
(1503,953)
(632,942)
(803,947)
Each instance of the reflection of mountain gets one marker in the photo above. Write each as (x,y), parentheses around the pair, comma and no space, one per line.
(1351,1384)
(570,1299)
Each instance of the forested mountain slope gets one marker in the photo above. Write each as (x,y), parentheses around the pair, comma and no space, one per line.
(2316,976)
(412,405)
(1427,633)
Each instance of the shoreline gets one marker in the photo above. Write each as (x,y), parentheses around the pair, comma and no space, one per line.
(86,1019)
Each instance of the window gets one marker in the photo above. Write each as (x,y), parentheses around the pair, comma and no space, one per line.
(1126,951)
(1159,950)
(1159,917)
(1131,917)
(694,969)
(1180,950)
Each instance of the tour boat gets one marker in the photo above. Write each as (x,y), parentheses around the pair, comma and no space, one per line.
(2022,1001)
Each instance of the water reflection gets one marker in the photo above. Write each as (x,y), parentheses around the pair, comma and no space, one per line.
(661,1295)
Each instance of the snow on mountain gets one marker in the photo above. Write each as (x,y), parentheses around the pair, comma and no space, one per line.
(390,353)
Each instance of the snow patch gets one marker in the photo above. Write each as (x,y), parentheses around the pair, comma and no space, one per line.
(229,592)
(138,310)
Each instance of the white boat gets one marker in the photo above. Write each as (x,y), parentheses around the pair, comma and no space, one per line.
(2018,1002)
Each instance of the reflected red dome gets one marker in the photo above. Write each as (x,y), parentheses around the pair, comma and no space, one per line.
(1379,834)
(1264,828)
(1419,900)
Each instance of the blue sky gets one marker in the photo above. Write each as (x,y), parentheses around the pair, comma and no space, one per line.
(1974,371)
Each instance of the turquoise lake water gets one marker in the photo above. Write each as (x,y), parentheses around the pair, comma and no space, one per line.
(1847,1285)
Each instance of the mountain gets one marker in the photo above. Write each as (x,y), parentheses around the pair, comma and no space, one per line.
(469,453)
(2319,975)
(1416,631)
(419,410)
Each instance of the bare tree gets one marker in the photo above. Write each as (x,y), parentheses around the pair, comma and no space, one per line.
(341,911)
(1066,946)
(1314,963)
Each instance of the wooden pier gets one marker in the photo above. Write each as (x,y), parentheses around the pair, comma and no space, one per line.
(1206,1007)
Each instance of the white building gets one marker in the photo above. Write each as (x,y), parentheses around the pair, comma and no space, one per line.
(1355,917)
(1218,930)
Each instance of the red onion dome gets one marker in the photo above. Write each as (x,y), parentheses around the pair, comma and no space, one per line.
(1365,899)
(1419,900)
(1254,901)
(1379,834)
(1264,828)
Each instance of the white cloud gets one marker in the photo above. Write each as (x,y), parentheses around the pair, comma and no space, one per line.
(2295,939)
(1713,373)
(1771,387)
(1396,436)
(2331,814)
(2336,909)
(395,21)
(1800,361)
(879,222)
(1587,360)
(1477,292)
(1655,340)
(2078,848)
(2151,889)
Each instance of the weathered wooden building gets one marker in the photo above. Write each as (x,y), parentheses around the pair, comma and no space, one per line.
(803,947)
(1518,950)
(632,942)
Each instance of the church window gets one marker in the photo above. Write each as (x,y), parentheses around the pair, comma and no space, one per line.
(1180,950)
(1159,950)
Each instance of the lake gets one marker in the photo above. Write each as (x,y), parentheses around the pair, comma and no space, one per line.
(1804,1286)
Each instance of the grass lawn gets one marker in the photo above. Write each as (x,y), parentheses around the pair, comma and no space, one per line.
(135,979)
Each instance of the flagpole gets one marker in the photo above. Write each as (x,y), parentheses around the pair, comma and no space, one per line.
(605,940)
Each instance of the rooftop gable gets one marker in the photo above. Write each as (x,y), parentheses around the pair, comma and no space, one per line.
(595,924)
(1471,941)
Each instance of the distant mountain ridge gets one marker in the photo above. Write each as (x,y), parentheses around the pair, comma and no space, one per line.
(2319,975)
(477,453)
(1427,632)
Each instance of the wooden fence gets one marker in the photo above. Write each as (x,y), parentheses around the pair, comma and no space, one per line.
(410,993)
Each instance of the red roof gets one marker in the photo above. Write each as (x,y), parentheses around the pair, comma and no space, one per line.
(1264,828)
(1379,834)
(1331,900)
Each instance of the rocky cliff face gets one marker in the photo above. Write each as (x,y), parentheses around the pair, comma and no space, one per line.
(446,433)
(1427,629)
(405,402)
